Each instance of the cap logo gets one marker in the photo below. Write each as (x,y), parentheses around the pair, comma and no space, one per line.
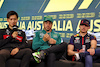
(81,21)
(87,22)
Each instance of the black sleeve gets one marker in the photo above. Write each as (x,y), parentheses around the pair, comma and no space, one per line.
(24,43)
(2,40)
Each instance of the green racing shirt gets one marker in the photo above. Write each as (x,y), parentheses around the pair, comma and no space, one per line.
(40,44)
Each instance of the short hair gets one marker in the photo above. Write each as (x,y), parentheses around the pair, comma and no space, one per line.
(11,13)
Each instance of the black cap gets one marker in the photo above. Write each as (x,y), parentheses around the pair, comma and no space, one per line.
(85,22)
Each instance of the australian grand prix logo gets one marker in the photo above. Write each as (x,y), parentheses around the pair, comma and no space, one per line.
(1,2)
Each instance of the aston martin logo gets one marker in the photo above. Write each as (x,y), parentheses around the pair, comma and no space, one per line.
(1,2)
(65,5)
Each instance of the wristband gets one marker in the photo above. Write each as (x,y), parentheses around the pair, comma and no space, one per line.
(92,48)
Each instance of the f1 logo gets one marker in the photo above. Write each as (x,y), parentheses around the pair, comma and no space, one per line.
(1,2)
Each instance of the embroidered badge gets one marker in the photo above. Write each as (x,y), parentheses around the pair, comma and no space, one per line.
(19,32)
(87,39)
(41,35)
(77,40)
(7,31)
(55,36)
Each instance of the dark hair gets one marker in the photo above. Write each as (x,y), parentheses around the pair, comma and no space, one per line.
(11,13)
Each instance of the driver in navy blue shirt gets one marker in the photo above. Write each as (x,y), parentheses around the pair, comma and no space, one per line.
(82,45)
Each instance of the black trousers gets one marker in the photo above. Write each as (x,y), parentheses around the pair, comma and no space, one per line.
(23,54)
(54,53)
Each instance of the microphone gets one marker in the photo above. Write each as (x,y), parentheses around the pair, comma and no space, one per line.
(15,28)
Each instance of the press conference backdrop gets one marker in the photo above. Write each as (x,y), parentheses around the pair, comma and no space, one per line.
(66,14)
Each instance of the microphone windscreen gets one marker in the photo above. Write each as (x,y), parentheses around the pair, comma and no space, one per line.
(15,28)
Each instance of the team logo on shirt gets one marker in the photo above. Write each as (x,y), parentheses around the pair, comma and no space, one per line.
(41,35)
(77,40)
(19,38)
(19,32)
(5,36)
(87,39)
(55,36)
(7,31)
(76,35)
